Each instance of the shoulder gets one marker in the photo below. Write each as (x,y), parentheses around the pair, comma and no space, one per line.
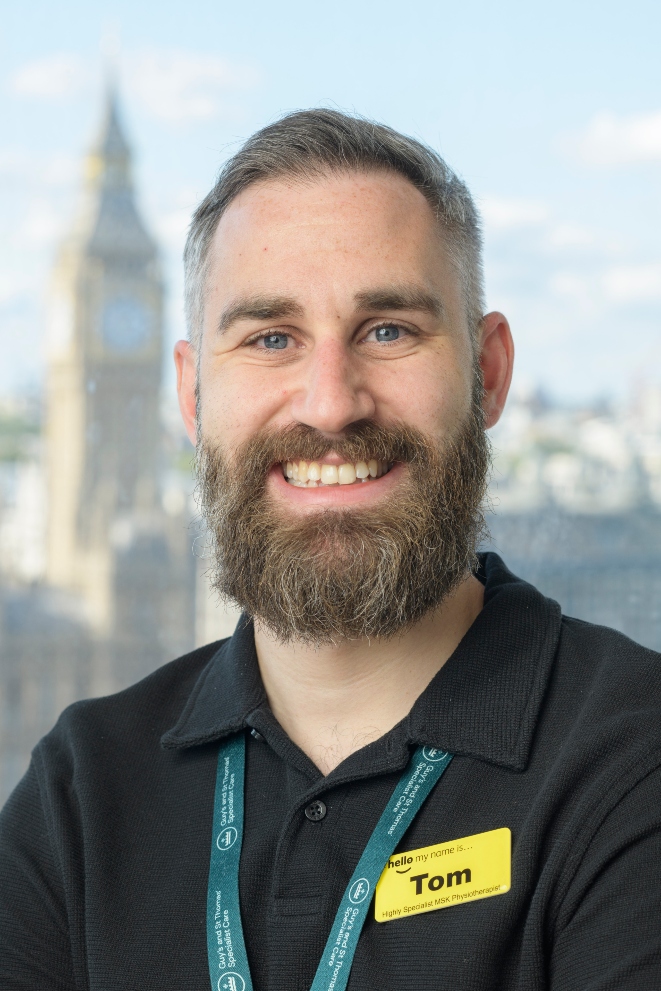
(603,709)
(610,662)
(129,722)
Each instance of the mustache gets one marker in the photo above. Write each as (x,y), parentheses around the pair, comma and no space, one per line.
(359,442)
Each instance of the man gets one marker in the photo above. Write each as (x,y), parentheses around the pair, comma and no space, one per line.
(393,712)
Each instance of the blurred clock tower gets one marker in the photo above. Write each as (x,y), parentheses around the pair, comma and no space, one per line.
(106,521)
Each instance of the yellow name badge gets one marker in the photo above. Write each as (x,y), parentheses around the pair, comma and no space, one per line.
(444,875)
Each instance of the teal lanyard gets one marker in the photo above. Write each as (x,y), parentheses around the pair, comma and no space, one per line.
(228,962)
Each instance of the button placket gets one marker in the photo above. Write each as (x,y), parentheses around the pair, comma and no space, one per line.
(297,833)
(297,837)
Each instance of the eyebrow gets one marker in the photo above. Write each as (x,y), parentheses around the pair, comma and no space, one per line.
(406,297)
(380,298)
(259,308)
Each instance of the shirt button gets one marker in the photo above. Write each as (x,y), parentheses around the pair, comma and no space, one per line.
(315,811)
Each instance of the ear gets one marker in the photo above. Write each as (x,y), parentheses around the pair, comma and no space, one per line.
(497,362)
(185,359)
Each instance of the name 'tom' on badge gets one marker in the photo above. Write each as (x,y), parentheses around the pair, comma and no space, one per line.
(444,875)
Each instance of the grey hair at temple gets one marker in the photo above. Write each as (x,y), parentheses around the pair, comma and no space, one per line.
(309,144)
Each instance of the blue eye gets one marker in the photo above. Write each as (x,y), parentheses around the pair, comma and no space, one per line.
(386,334)
(275,341)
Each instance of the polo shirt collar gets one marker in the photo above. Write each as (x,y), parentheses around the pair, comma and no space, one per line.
(483,703)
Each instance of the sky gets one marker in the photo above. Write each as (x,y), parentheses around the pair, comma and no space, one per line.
(551,114)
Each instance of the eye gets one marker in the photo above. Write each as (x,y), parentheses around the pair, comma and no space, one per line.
(385,334)
(274,342)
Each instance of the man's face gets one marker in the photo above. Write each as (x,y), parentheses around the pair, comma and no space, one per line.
(336,407)
(347,308)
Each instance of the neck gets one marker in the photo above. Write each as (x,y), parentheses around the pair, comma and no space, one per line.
(334,699)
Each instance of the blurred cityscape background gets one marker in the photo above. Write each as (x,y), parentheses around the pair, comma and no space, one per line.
(102,556)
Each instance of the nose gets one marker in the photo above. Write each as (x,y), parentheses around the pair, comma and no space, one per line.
(333,393)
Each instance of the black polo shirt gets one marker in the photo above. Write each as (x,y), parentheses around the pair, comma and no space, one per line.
(555,723)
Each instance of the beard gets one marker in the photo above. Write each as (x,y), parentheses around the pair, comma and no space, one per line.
(347,573)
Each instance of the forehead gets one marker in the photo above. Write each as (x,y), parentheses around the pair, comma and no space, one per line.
(344,228)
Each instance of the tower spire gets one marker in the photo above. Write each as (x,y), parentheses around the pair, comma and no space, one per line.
(109,219)
(109,161)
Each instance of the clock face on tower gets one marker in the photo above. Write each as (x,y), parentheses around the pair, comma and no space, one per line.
(125,324)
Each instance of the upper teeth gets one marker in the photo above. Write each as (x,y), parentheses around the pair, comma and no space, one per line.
(312,473)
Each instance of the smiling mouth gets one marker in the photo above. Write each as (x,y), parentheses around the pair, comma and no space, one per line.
(314,474)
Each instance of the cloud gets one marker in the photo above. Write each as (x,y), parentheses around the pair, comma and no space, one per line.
(621,285)
(29,168)
(14,286)
(629,140)
(580,291)
(570,236)
(172,85)
(501,213)
(54,78)
(633,283)
(59,169)
(181,86)
(13,162)
(43,224)
(171,227)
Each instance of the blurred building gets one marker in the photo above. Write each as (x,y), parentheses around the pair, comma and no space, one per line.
(576,506)
(98,581)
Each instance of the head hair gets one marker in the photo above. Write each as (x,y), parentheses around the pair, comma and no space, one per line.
(312,144)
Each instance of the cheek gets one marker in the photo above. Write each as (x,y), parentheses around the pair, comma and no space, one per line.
(431,395)
(234,406)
